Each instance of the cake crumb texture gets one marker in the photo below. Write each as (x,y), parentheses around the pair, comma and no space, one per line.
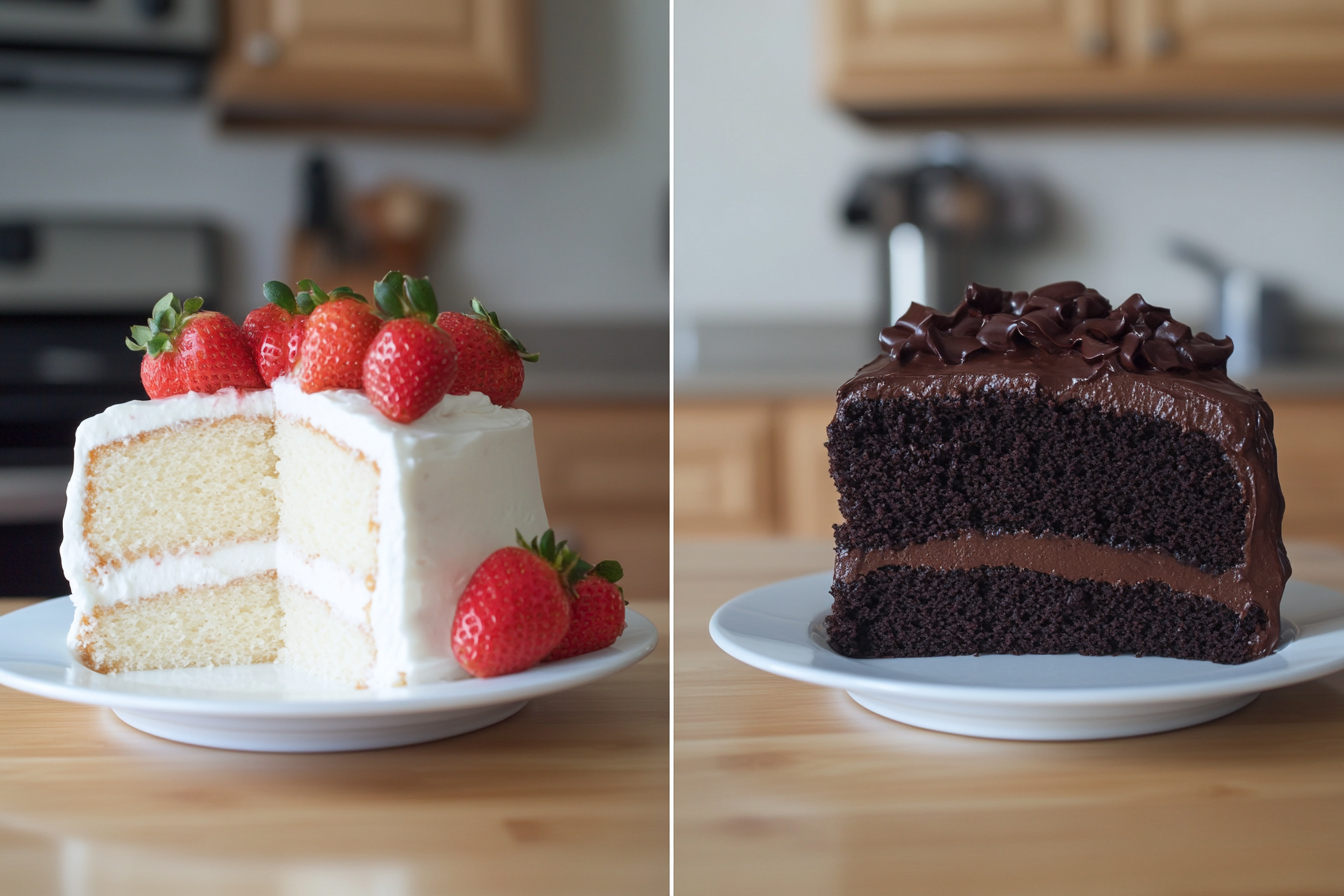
(328,499)
(189,487)
(913,470)
(915,611)
(222,625)
(320,643)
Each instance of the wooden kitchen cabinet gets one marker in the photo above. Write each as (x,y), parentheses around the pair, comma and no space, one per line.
(604,477)
(770,454)
(893,57)
(460,64)
(753,467)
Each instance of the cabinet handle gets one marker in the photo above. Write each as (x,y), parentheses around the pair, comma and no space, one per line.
(1161,41)
(1094,43)
(262,50)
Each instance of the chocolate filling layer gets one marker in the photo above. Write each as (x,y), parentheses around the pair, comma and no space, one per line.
(1073,559)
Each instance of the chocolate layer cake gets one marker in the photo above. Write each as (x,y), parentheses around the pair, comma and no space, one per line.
(1039,473)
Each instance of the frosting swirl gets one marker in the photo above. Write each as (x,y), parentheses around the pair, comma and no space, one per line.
(1059,319)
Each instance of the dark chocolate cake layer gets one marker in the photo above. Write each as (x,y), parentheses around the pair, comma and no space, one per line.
(904,611)
(1071,443)
(909,471)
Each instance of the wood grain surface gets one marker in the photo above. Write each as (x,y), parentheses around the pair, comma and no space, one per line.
(783,787)
(568,796)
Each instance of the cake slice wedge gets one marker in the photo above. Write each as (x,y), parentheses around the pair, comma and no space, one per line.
(1040,473)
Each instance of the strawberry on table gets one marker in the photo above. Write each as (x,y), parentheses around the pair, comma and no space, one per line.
(599,612)
(190,350)
(411,363)
(338,335)
(489,357)
(517,607)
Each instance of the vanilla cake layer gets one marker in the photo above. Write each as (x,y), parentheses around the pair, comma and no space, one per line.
(172,500)
(394,518)
(320,642)
(183,628)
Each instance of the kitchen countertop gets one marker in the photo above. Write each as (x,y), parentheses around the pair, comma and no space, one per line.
(568,796)
(783,787)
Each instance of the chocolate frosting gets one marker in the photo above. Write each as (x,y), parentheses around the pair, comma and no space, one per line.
(1064,341)
(1059,319)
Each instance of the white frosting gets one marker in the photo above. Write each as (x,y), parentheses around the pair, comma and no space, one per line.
(454,486)
(147,576)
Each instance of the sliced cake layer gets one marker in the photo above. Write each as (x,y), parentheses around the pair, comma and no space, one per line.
(171,511)
(905,611)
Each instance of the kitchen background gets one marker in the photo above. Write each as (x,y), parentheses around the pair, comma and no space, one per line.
(1117,130)
(521,149)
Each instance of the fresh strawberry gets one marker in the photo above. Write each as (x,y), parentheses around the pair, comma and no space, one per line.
(333,348)
(408,369)
(599,613)
(411,362)
(489,358)
(162,376)
(275,331)
(190,350)
(516,607)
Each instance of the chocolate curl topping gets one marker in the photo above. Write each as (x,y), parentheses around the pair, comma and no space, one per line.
(1056,319)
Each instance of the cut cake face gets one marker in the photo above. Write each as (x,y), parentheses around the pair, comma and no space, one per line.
(1037,473)
(255,526)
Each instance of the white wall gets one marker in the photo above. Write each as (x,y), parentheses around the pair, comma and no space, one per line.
(763,163)
(565,218)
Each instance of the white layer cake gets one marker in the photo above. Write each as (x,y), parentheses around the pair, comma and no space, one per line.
(246,527)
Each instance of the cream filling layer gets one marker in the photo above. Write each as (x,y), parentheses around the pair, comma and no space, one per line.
(149,576)
(1069,558)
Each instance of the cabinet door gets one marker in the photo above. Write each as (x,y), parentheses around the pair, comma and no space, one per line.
(963,52)
(1241,32)
(811,505)
(604,477)
(433,62)
(723,469)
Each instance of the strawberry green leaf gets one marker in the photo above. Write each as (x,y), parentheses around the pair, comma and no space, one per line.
(191,306)
(164,304)
(278,293)
(319,297)
(141,335)
(345,292)
(158,344)
(548,544)
(304,302)
(492,319)
(133,346)
(422,296)
(387,293)
(609,570)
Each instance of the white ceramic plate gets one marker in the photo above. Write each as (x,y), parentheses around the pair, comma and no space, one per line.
(781,629)
(276,709)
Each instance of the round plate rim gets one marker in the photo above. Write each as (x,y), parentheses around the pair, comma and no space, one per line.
(885,687)
(637,642)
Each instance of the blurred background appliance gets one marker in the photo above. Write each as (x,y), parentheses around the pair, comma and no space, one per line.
(355,240)
(69,292)
(931,220)
(1258,315)
(156,49)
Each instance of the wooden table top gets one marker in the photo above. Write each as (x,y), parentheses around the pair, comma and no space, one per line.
(568,796)
(783,787)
